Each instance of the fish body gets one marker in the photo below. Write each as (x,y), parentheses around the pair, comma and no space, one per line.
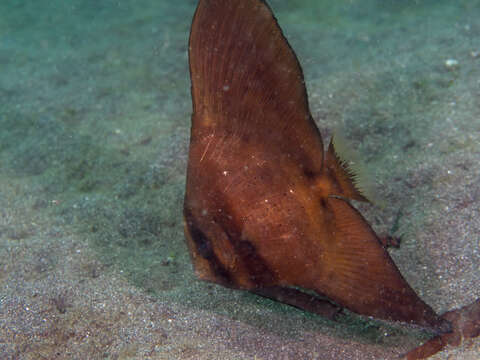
(266,206)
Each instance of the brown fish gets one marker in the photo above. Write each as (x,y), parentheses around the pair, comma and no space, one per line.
(266,209)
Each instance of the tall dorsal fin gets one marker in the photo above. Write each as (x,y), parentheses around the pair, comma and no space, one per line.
(247,81)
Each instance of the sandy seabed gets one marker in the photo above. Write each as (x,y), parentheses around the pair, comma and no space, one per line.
(94,125)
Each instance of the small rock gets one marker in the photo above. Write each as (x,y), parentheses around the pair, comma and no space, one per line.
(451,63)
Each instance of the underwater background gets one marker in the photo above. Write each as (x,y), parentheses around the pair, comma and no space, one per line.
(94,126)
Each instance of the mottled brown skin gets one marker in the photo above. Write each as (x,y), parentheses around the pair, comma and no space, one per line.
(266,209)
